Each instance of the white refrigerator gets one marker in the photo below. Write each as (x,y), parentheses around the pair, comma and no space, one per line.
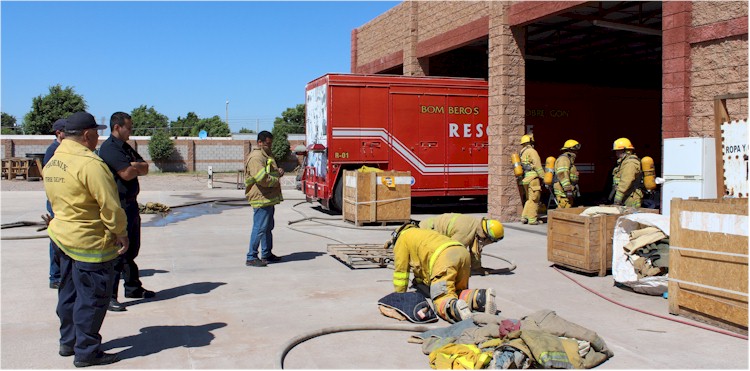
(689,170)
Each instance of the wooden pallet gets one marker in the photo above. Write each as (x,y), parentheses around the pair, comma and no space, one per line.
(362,256)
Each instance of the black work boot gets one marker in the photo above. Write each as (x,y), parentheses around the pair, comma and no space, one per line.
(101,359)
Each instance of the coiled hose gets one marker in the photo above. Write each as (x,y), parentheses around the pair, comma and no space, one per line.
(335,329)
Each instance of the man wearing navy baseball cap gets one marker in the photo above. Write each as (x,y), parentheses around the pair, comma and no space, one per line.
(91,232)
(58,129)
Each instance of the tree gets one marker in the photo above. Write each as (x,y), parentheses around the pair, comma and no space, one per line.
(45,110)
(280,144)
(293,119)
(8,123)
(214,126)
(160,147)
(184,126)
(146,119)
(246,131)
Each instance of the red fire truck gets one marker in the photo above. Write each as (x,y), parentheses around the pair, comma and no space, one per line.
(436,128)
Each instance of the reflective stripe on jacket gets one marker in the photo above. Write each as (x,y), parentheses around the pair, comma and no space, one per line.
(564,169)
(82,192)
(532,165)
(262,186)
(416,250)
(459,227)
(624,176)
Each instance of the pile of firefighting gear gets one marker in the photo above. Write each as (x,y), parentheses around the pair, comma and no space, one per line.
(153,208)
(540,340)
(640,258)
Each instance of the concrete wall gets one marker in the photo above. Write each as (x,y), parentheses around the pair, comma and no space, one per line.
(191,154)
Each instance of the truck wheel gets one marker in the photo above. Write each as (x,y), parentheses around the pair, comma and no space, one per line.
(337,201)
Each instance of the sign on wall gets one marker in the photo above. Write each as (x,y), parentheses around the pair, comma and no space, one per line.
(734,143)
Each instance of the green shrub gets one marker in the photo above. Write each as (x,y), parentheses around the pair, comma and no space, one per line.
(160,147)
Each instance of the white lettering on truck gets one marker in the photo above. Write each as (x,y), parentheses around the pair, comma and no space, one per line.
(467,130)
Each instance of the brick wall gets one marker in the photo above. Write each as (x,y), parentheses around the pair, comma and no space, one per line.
(189,155)
(506,107)
(380,42)
(719,62)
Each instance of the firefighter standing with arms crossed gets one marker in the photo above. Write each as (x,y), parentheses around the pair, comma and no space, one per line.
(531,182)
(472,232)
(566,174)
(442,264)
(626,177)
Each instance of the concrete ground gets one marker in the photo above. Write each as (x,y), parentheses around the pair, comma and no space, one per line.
(213,312)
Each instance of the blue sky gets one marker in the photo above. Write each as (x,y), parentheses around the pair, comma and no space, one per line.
(178,57)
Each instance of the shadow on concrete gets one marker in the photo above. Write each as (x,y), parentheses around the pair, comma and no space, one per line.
(150,272)
(300,256)
(154,339)
(197,288)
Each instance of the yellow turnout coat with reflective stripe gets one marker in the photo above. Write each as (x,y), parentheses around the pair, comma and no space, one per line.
(465,229)
(418,249)
(262,180)
(624,177)
(82,192)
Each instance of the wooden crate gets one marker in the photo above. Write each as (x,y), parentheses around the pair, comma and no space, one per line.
(708,276)
(377,197)
(20,166)
(582,243)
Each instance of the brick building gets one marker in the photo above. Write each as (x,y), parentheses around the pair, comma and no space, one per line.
(590,71)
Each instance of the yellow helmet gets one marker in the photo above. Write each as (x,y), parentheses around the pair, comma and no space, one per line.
(493,229)
(622,143)
(528,138)
(571,144)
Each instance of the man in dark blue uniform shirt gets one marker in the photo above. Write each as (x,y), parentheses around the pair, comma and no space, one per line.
(58,128)
(126,165)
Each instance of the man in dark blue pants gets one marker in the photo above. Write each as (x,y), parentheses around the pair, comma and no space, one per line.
(126,166)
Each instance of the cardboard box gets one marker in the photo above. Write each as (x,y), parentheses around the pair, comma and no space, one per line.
(708,261)
(377,196)
(582,243)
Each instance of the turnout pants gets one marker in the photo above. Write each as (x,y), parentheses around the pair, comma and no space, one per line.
(533,195)
(450,279)
(83,298)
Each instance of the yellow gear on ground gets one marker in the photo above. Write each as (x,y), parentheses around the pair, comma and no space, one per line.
(153,208)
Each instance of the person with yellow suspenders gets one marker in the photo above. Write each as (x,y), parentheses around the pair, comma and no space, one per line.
(472,232)
(626,177)
(443,265)
(566,174)
(531,182)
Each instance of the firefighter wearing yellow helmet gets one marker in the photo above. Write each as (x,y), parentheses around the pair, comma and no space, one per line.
(566,174)
(532,179)
(472,232)
(625,177)
(443,265)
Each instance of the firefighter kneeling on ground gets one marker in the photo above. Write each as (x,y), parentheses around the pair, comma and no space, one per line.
(444,266)
(626,175)
(472,232)
(566,174)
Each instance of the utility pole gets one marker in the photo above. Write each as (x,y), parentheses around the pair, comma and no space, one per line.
(227,115)
(257,126)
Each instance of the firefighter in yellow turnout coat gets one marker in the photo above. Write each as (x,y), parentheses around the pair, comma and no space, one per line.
(443,265)
(566,174)
(531,182)
(470,231)
(626,175)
